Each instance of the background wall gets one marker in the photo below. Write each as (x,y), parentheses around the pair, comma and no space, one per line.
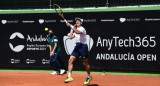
(46,4)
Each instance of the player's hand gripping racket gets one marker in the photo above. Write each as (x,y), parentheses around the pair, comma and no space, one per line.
(58,9)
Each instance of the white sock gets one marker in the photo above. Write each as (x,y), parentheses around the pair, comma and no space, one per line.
(89,75)
(69,74)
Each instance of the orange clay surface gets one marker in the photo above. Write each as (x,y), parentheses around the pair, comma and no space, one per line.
(45,79)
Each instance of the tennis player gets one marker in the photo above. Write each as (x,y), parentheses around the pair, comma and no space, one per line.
(80,50)
(54,53)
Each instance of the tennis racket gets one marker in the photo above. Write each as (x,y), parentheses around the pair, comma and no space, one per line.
(58,9)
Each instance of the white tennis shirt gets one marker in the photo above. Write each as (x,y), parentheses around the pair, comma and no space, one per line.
(81,37)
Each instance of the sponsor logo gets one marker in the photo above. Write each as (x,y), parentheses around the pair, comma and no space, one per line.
(4,21)
(30,61)
(41,21)
(17,48)
(9,21)
(67,21)
(45,61)
(107,20)
(15,61)
(31,42)
(50,21)
(28,21)
(122,20)
(152,19)
(89,20)
(35,38)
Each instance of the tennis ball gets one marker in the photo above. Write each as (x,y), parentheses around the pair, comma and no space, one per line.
(46,29)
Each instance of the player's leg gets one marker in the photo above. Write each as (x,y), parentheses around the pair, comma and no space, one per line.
(73,57)
(84,55)
(87,66)
(70,64)
(70,68)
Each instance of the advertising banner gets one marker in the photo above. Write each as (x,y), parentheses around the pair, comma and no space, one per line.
(120,40)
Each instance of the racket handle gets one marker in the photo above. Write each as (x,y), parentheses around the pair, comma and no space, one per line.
(65,20)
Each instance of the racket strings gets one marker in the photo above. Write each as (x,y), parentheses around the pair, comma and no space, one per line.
(57,9)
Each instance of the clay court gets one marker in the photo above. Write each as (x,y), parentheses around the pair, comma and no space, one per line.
(45,79)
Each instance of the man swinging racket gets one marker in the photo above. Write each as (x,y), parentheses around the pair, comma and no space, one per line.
(80,50)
